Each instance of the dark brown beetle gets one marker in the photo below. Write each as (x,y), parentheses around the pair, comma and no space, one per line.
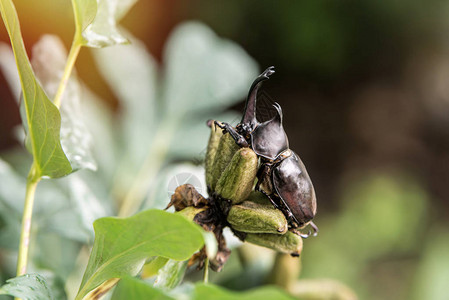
(282,176)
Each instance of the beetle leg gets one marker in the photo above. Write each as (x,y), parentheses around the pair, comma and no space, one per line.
(313,232)
(304,236)
(315,229)
(262,173)
(238,138)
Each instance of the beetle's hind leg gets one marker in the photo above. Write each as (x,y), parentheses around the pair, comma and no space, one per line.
(313,232)
(238,138)
(315,229)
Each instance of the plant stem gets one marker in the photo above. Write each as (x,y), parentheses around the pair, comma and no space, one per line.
(22,259)
(206,271)
(73,54)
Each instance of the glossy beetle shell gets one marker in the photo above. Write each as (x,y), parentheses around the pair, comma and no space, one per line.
(294,187)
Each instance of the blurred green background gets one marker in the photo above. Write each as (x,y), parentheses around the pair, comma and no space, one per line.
(364,89)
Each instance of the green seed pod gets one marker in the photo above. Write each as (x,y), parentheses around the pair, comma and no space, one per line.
(237,180)
(259,198)
(288,243)
(214,139)
(224,153)
(252,217)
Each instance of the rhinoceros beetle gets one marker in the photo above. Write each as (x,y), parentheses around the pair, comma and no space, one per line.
(282,176)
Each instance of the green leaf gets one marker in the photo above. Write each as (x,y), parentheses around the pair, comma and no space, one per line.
(43,120)
(204,71)
(203,291)
(171,274)
(27,287)
(96,21)
(49,57)
(84,11)
(132,77)
(101,121)
(122,246)
(153,265)
(132,288)
(73,216)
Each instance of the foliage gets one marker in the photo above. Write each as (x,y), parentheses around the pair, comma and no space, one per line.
(374,237)
(65,209)
(41,119)
(29,286)
(137,289)
(122,246)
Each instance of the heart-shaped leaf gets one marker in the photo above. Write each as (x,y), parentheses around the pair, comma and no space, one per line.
(27,287)
(122,246)
(43,121)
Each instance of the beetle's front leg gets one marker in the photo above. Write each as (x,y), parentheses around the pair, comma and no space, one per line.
(238,138)
(262,174)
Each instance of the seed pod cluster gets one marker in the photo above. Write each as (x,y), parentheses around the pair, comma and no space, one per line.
(230,176)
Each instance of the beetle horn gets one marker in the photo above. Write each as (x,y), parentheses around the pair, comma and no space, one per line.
(249,114)
(279,115)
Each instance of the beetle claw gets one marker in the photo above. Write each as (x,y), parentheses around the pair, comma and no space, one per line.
(313,232)
(304,236)
(315,229)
